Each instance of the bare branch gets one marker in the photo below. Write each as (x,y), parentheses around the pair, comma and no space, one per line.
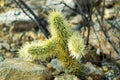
(36,19)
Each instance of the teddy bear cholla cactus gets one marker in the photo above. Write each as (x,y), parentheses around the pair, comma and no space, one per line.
(65,44)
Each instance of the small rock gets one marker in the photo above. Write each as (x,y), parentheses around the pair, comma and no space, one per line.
(10,16)
(76,22)
(109,3)
(36,5)
(5,45)
(77,19)
(111,71)
(96,76)
(66,77)
(20,26)
(117,78)
(89,78)
(109,13)
(4,29)
(55,63)
(56,4)
(18,69)
(9,54)
(93,69)
(91,55)
(2,57)
(1,46)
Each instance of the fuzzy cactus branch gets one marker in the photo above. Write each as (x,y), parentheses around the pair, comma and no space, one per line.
(76,46)
(67,45)
(41,50)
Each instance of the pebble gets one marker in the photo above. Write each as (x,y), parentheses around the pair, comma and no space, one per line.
(19,69)
(56,4)
(109,3)
(109,13)
(93,69)
(55,63)
(76,22)
(2,57)
(5,45)
(66,77)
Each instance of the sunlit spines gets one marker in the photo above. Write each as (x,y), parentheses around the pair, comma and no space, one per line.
(59,25)
(76,46)
(40,50)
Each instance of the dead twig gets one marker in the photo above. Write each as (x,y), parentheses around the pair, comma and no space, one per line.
(37,20)
(106,35)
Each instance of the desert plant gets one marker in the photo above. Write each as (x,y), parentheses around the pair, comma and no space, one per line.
(67,45)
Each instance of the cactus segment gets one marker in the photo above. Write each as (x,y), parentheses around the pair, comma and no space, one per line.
(76,46)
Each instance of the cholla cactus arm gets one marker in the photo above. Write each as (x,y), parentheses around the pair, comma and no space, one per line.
(71,65)
(59,26)
(41,50)
(76,46)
